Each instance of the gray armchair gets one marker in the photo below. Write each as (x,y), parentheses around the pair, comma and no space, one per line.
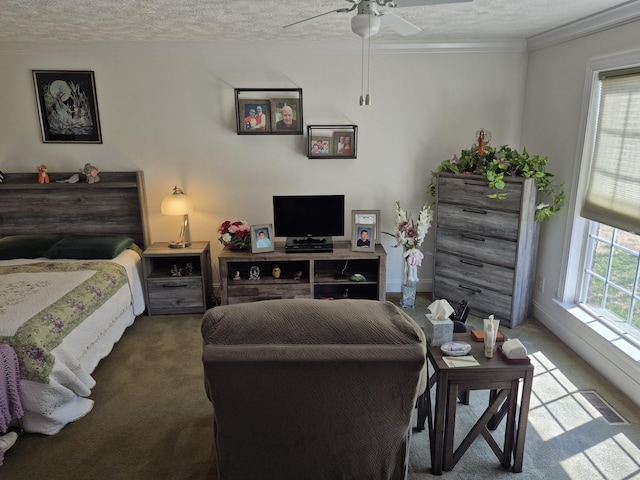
(312,389)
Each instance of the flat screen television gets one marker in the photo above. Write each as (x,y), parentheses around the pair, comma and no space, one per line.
(308,216)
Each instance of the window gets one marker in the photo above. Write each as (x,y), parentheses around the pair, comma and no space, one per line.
(610,288)
(611,278)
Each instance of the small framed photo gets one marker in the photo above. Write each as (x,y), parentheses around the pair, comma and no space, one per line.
(367,217)
(344,144)
(320,147)
(262,238)
(67,106)
(362,238)
(286,116)
(253,116)
(326,140)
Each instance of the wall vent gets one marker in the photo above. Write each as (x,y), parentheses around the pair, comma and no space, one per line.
(607,411)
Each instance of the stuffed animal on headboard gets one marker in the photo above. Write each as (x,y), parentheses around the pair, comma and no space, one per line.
(43,176)
(91,172)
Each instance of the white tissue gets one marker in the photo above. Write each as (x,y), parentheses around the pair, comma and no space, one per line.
(440,311)
(514,349)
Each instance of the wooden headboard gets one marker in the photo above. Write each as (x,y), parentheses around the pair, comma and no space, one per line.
(116,205)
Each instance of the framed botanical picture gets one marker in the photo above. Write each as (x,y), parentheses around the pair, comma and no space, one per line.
(286,116)
(367,217)
(362,238)
(320,147)
(262,238)
(253,116)
(344,144)
(67,106)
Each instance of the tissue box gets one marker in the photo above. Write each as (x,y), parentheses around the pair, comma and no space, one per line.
(438,332)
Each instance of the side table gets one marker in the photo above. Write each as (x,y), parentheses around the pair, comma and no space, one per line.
(177,280)
(495,374)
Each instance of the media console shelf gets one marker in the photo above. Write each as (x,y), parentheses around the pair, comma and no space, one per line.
(320,274)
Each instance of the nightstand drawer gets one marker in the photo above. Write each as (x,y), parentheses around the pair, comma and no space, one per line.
(175,295)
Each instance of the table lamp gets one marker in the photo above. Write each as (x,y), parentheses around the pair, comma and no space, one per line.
(178,204)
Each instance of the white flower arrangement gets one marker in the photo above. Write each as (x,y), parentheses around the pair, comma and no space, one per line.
(409,235)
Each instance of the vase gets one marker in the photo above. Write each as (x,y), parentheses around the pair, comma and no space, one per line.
(236,246)
(408,288)
(275,272)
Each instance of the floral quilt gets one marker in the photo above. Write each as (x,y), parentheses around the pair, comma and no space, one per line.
(41,303)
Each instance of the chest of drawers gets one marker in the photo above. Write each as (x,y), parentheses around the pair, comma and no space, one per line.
(485,250)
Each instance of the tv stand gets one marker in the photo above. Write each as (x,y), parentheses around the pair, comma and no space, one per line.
(319,274)
(308,244)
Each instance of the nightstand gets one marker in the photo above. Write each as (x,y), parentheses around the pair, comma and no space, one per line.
(177,280)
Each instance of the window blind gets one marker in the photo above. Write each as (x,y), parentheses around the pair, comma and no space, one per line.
(613,191)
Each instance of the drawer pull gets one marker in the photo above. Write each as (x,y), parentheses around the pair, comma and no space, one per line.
(474,290)
(471,262)
(477,238)
(475,210)
(174,285)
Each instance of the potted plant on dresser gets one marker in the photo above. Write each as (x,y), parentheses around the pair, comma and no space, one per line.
(490,203)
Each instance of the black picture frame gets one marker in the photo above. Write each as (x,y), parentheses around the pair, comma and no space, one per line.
(67,106)
(272,101)
(334,134)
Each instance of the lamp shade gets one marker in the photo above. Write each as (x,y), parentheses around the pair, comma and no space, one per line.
(176,204)
(365,25)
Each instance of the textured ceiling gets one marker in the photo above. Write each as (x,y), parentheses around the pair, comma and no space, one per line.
(259,20)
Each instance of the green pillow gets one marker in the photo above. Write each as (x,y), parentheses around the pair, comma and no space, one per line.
(89,247)
(26,246)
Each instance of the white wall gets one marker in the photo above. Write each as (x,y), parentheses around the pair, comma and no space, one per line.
(553,126)
(168,109)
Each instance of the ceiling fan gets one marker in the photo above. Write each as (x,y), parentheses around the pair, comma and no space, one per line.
(370,16)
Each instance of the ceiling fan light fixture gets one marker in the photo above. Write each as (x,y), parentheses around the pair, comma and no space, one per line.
(365,25)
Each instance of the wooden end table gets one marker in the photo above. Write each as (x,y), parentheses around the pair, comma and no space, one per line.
(494,374)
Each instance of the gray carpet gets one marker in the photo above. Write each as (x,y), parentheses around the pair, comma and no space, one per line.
(152,419)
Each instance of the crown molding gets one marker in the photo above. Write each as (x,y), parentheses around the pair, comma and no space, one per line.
(613,17)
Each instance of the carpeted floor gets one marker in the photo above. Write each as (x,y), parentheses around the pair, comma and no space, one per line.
(152,419)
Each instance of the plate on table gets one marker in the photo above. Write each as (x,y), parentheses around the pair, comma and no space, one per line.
(455,349)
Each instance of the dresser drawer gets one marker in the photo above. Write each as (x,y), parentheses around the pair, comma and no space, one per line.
(481,221)
(252,291)
(474,272)
(482,301)
(480,247)
(474,190)
(175,295)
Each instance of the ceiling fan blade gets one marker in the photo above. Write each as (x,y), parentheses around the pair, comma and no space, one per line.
(421,3)
(316,18)
(399,24)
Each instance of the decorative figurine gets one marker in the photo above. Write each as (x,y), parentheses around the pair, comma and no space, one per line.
(43,176)
(297,275)
(484,137)
(91,172)
(175,271)
(276,272)
(188,269)
(254,273)
(237,275)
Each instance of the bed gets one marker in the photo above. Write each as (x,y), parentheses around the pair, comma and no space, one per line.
(73,287)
